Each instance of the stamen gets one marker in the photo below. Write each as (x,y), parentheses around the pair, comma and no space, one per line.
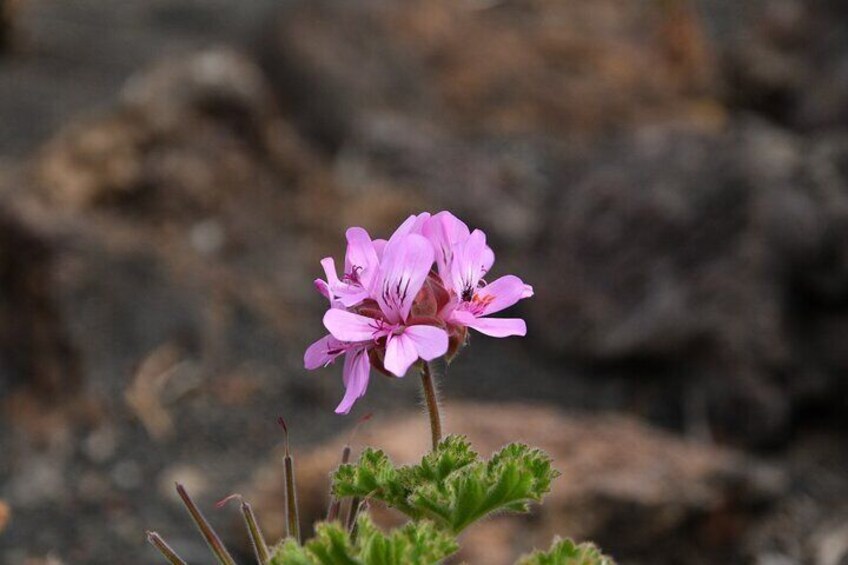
(467,294)
(353,276)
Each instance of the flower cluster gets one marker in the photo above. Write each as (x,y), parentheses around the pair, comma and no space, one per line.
(409,298)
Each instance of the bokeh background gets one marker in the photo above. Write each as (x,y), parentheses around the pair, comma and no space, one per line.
(670,175)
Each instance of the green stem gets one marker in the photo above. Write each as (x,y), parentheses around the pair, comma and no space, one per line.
(432,401)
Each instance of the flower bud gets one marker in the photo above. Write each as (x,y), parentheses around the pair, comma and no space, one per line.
(375,355)
(457,339)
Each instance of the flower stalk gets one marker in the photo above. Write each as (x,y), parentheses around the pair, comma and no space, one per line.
(156,541)
(353,528)
(260,548)
(292,517)
(212,539)
(354,511)
(431,399)
(257,540)
(336,503)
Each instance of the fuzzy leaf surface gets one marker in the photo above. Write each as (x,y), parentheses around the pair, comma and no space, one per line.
(416,543)
(566,552)
(451,486)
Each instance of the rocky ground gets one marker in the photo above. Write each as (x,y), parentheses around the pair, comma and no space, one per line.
(671,176)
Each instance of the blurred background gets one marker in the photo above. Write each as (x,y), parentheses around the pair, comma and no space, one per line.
(670,175)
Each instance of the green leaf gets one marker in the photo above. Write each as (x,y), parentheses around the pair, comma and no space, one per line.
(451,486)
(416,543)
(290,552)
(374,476)
(371,472)
(452,454)
(566,552)
(514,477)
(331,546)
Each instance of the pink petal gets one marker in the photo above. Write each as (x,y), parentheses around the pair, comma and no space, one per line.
(322,287)
(330,272)
(351,295)
(361,257)
(503,293)
(499,327)
(335,289)
(430,342)
(350,327)
(495,327)
(413,224)
(471,259)
(379,247)
(487,259)
(444,230)
(400,354)
(406,263)
(323,352)
(355,375)
(528,291)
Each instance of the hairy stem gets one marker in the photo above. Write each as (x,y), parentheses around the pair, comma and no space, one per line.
(335,503)
(165,549)
(292,518)
(260,546)
(212,539)
(432,401)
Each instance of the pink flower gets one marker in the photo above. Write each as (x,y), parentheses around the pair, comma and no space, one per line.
(413,224)
(381,321)
(405,265)
(361,265)
(463,259)
(477,300)
(445,231)
(391,308)
(357,367)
